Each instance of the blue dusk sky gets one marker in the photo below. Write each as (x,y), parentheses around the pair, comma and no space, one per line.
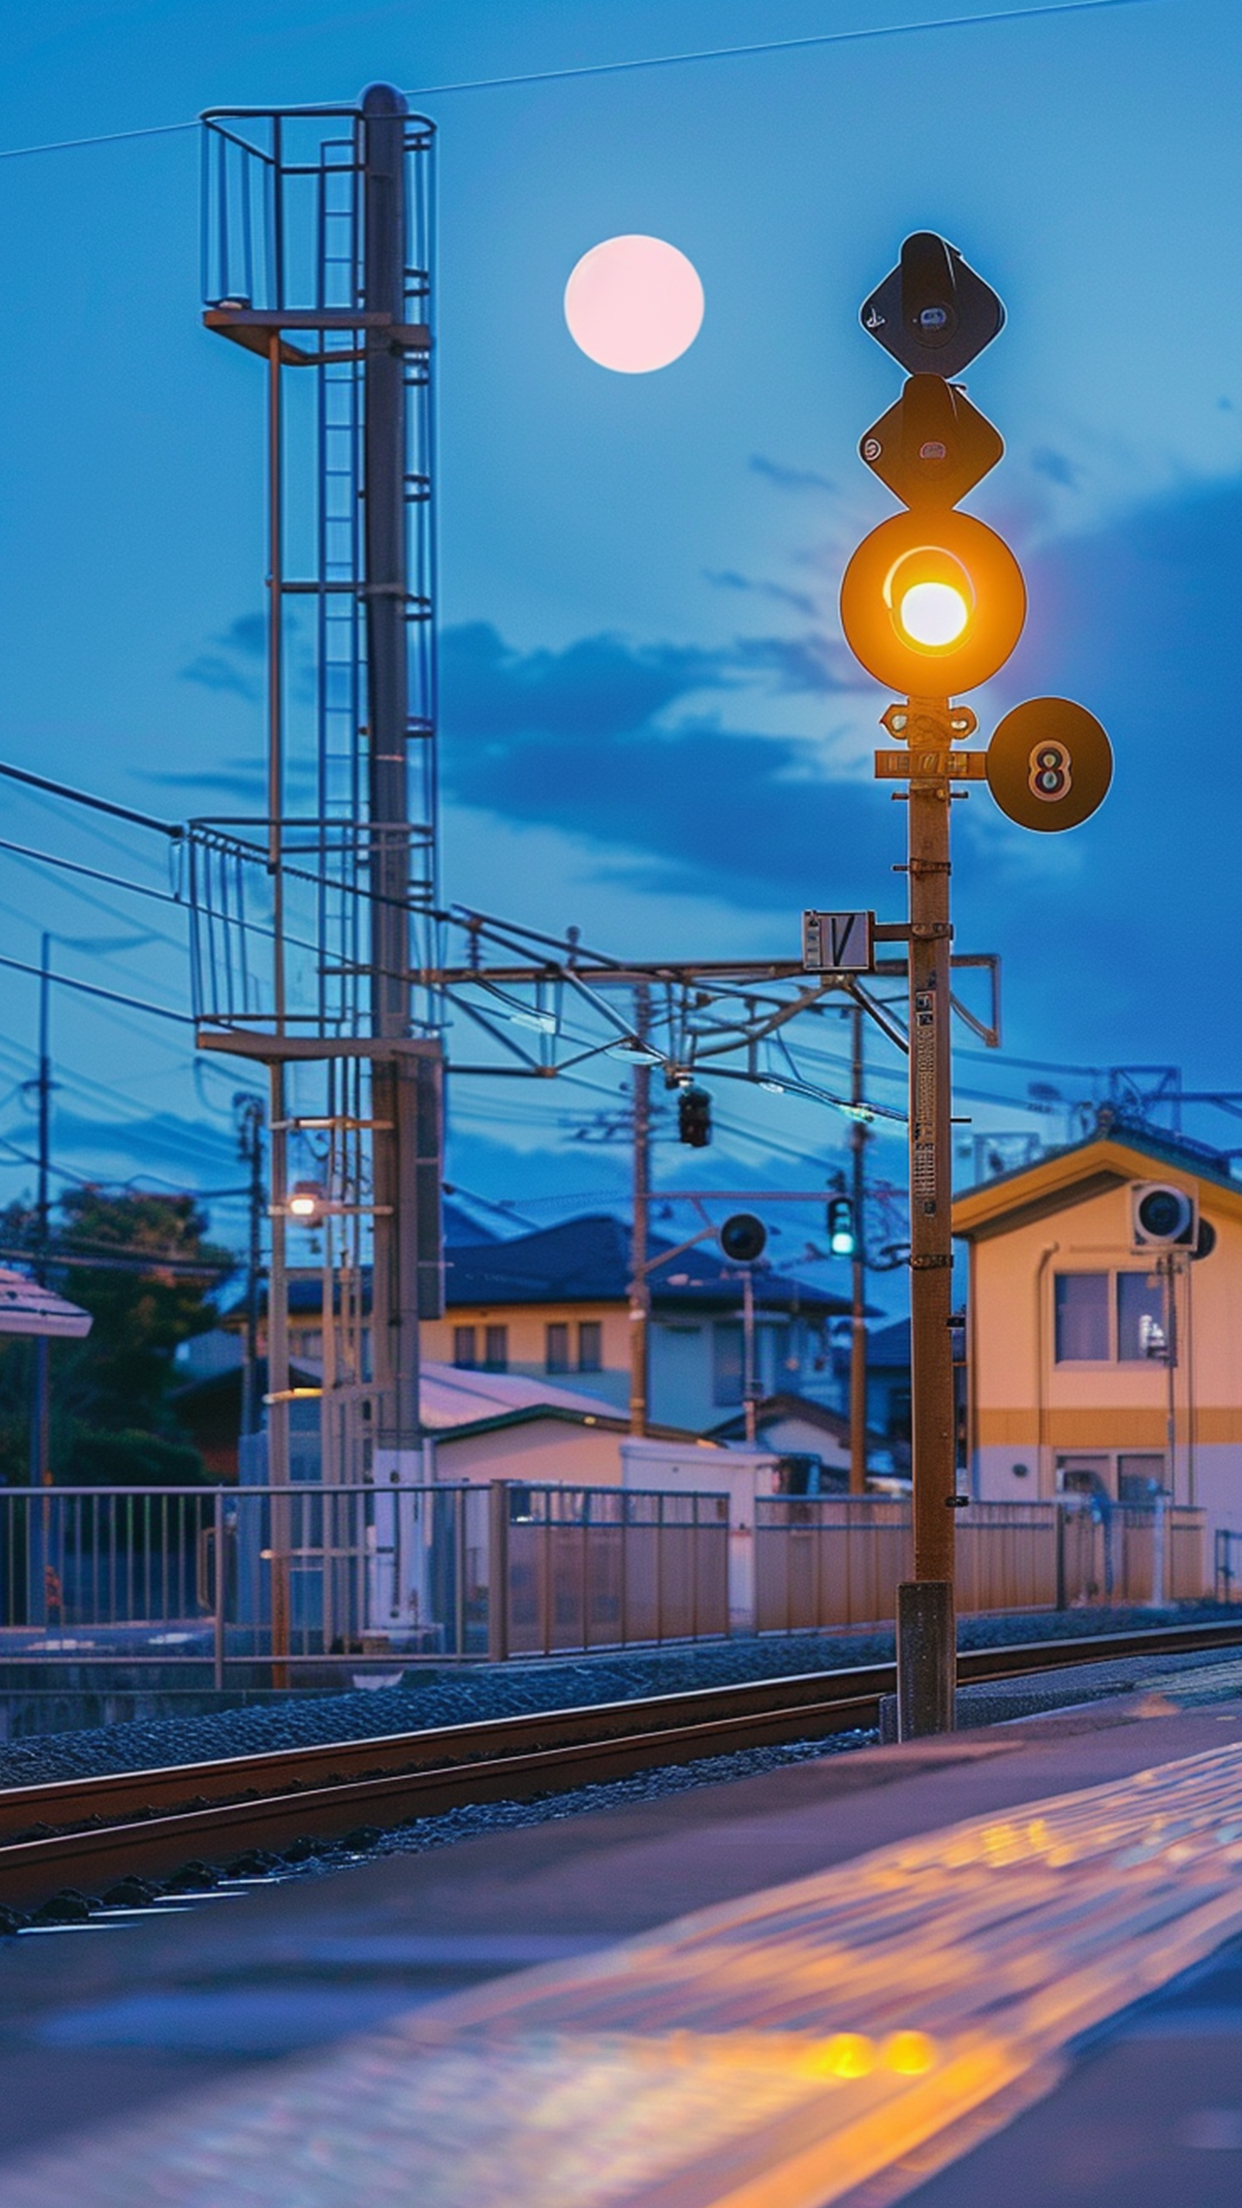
(651,727)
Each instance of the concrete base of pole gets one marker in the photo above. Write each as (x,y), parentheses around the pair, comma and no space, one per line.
(926,1658)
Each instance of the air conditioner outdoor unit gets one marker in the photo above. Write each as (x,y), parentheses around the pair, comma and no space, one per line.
(1163,1216)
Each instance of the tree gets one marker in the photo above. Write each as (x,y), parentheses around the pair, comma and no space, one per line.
(147,1279)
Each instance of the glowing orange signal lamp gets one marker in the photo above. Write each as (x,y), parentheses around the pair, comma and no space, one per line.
(932,604)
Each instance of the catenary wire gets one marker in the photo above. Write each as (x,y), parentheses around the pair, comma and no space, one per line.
(626,68)
(777,46)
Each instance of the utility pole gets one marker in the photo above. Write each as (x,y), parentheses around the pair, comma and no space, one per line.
(249,1110)
(640,1286)
(40,1405)
(926,1612)
(858,1268)
(750,1380)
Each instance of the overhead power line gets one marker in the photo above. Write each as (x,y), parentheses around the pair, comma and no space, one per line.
(628,68)
(83,797)
(94,874)
(100,138)
(92,989)
(776,46)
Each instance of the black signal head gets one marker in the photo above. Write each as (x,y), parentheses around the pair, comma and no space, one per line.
(932,446)
(743,1238)
(932,313)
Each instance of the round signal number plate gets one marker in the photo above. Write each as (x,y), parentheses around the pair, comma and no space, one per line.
(1049,764)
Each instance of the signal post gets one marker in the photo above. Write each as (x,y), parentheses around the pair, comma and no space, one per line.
(932,604)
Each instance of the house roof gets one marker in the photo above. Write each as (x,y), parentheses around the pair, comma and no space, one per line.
(782,1405)
(461,1228)
(889,1346)
(587,1260)
(451,1401)
(602,1416)
(26,1307)
(1084,1169)
(449,1396)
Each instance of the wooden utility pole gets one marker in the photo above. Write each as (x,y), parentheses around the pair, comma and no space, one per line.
(858,1268)
(640,1288)
(926,1634)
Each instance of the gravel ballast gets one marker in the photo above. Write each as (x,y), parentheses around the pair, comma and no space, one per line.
(426,1698)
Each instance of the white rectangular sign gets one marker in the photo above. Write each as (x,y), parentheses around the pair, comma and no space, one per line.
(838,942)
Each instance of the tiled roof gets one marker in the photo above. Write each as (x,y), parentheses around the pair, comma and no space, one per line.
(889,1345)
(587,1260)
(772,1408)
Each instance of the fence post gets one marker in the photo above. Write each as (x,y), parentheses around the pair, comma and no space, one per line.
(218,1545)
(459,1571)
(659,1550)
(498,1571)
(1059,1507)
(1159,1555)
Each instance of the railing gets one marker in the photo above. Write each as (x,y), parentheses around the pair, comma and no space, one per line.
(1227,1565)
(265,1584)
(828,1561)
(584,1568)
(229,1579)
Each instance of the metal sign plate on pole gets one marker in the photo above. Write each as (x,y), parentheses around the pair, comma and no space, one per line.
(960,766)
(838,942)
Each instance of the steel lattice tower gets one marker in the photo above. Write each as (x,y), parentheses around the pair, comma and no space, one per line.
(311,921)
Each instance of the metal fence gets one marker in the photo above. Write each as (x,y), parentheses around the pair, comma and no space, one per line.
(262,1585)
(1227,1565)
(580,1568)
(829,1561)
(275,1577)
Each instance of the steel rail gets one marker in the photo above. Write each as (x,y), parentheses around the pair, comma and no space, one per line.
(98,1830)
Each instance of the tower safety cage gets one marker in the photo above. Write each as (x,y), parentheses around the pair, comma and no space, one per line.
(312,919)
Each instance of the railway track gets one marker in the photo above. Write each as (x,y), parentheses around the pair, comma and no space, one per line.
(94,1832)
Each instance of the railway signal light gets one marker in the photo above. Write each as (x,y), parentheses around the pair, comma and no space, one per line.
(743,1238)
(932,604)
(840,1222)
(932,312)
(932,446)
(694,1118)
(932,609)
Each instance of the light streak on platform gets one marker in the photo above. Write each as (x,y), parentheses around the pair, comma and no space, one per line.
(820,2042)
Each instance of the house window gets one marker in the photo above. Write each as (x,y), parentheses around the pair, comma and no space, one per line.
(1082,1318)
(557,1359)
(726,1364)
(590,1346)
(495,1349)
(465,1352)
(1140,1479)
(1141,1317)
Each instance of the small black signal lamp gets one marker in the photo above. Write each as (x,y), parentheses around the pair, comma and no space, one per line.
(694,1118)
(840,1226)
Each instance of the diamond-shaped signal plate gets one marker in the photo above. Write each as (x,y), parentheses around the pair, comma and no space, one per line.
(932,312)
(932,446)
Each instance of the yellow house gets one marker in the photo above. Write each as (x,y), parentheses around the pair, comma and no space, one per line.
(1095,1361)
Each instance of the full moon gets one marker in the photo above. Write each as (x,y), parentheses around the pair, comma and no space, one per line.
(634,304)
